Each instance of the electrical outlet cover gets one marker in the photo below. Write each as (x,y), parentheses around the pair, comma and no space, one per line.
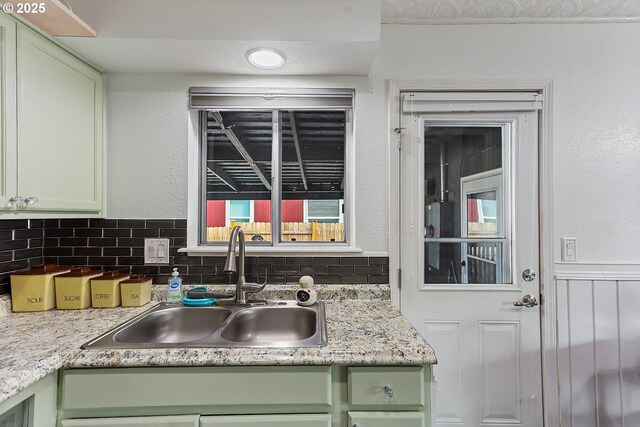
(569,249)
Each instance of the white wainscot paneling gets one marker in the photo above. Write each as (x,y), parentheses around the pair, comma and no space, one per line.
(598,351)
(446,336)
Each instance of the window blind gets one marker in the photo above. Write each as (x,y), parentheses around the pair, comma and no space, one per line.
(203,98)
(442,102)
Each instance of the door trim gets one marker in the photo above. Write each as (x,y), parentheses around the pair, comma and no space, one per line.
(550,377)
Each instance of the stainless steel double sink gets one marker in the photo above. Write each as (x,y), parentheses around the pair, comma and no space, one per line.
(277,324)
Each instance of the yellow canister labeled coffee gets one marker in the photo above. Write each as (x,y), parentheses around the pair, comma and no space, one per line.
(105,289)
(33,289)
(136,291)
(73,290)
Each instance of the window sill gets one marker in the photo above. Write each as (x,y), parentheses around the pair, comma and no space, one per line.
(277,251)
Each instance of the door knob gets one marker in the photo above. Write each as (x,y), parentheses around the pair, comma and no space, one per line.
(528,275)
(527,301)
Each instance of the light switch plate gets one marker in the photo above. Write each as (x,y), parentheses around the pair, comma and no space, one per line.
(569,249)
(156,251)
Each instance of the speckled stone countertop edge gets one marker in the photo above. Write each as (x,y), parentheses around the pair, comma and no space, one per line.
(326,292)
(378,335)
(5,305)
(339,292)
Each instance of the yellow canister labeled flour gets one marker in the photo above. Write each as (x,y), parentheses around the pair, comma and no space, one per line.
(135,291)
(105,289)
(73,290)
(33,289)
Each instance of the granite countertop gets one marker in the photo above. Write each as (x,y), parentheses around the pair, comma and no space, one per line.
(363,331)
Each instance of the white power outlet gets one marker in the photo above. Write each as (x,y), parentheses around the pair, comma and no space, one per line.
(156,251)
(569,249)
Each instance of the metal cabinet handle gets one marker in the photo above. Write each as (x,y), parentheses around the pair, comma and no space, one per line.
(13,202)
(527,301)
(18,202)
(388,392)
(31,200)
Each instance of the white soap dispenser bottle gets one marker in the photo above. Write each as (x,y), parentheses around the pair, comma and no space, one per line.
(174,288)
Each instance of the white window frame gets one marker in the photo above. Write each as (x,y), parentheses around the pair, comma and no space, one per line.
(491,180)
(195,211)
(340,216)
(227,212)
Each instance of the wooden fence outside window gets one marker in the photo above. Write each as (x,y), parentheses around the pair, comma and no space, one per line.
(291,231)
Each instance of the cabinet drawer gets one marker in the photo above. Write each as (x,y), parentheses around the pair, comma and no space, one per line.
(313,420)
(171,421)
(139,390)
(386,386)
(386,419)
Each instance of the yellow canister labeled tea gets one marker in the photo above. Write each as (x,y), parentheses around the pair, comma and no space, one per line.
(33,289)
(136,291)
(105,289)
(73,290)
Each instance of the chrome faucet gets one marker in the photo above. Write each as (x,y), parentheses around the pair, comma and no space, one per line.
(230,266)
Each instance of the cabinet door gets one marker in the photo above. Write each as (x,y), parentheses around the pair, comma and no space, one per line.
(169,421)
(59,127)
(13,417)
(311,420)
(7,110)
(386,419)
(386,386)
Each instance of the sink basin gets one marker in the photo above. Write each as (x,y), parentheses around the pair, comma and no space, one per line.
(277,325)
(262,325)
(174,325)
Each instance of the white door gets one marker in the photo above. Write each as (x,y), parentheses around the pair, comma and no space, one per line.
(469,248)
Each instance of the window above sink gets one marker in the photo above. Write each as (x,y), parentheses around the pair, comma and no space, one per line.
(278,163)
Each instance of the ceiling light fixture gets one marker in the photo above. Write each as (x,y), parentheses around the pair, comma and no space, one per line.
(266,58)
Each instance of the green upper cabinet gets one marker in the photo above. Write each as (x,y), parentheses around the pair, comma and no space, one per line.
(54,159)
(7,108)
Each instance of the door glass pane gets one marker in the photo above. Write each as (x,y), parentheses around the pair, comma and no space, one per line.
(465,239)
(238,174)
(463,263)
(313,155)
(451,154)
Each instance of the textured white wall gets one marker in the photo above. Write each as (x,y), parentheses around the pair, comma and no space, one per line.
(596,125)
(595,69)
(147,147)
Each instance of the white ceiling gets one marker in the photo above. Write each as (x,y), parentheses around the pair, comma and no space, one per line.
(331,37)
(318,37)
(452,11)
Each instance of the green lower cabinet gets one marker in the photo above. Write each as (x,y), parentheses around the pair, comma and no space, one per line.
(310,420)
(35,406)
(246,396)
(386,419)
(169,421)
(14,417)
(386,386)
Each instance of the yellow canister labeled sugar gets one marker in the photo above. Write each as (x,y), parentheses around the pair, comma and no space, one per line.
(105,289)
(136,291)
(33,289)
(73,290)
